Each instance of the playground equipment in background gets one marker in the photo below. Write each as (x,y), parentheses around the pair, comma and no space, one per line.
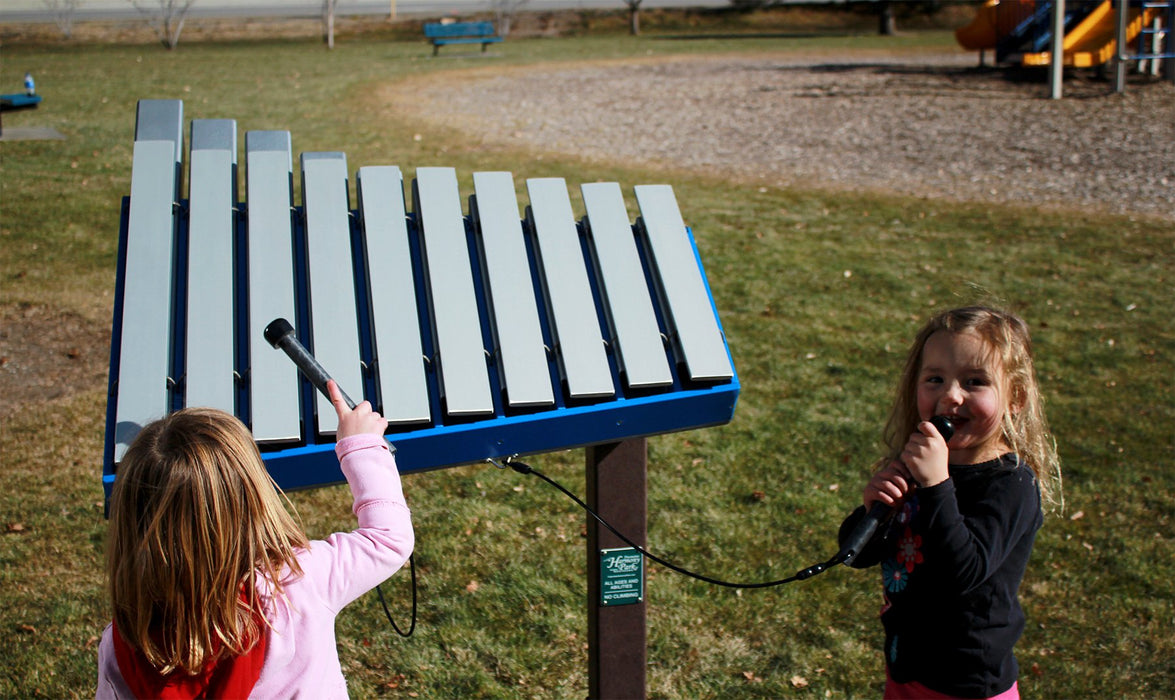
(994,20)
(22,100)
(1020,31)
(18,100)
(1093,41)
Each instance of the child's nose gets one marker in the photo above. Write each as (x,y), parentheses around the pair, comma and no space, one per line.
(953,394)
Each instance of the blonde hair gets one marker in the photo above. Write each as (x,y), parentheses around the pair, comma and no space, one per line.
(1009,345)
(194,519)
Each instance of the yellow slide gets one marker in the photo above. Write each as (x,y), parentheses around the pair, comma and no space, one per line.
(1094,41)
(994,20)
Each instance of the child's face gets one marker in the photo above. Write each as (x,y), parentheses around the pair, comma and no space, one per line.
(959,380)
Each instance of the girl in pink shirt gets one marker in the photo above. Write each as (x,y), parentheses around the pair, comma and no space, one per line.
(216,591)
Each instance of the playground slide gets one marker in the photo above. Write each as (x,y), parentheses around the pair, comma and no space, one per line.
(1093,42)
(994,20)
(981,33)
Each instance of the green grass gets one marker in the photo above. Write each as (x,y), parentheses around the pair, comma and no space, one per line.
(817,351)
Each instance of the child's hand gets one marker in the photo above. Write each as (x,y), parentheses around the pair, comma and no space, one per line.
(926,455)
(889,485)
(355,421)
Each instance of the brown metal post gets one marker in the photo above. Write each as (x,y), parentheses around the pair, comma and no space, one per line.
(617,490)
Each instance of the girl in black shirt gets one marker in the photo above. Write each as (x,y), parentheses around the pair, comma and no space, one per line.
(965,513)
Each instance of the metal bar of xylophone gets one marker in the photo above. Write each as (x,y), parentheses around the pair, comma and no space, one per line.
(478,335)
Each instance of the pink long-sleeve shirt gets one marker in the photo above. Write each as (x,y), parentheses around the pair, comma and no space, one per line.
(301,659)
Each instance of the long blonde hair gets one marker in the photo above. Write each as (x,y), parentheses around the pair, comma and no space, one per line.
(1025,429)
(195,518)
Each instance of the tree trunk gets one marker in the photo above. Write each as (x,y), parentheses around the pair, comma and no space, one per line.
(171,33)
(887,25)
(328,21)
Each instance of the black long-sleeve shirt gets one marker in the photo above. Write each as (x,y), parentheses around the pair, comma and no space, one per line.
(952,560)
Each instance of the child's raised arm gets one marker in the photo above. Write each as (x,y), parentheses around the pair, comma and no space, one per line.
(355,421)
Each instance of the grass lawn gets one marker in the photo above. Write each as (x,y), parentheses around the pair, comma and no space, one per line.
(501,557)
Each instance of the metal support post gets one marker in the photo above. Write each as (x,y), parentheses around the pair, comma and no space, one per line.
(1057,60)
(1169,41)
(1120,47)
(617,490)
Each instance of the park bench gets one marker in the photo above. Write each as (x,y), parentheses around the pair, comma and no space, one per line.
(442,33)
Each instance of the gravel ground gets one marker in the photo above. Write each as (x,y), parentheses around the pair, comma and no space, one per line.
(932,125)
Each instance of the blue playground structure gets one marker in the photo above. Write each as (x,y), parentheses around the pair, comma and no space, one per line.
(13,102)
(1021,32)
(22,100)
(16,101)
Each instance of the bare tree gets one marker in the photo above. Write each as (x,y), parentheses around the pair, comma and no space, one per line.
(63,13)
(505,9)
(328,22)
(886,23)
(634,16)
(166,17)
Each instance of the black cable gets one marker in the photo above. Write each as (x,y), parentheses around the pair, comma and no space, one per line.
(523,468)
(388,614)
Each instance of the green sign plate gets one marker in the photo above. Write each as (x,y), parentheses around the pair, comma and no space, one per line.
(622,576)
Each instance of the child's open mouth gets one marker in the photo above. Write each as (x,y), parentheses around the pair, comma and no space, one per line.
(958,422)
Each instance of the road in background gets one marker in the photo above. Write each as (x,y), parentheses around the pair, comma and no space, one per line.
(35,10)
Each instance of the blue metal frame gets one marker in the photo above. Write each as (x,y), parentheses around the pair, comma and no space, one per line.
(1142,52)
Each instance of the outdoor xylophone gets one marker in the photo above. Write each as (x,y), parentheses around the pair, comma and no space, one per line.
(478,336)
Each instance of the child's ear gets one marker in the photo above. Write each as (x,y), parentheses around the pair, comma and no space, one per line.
(1017,398)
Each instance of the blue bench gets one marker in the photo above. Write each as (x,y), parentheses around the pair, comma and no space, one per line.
(440,34)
